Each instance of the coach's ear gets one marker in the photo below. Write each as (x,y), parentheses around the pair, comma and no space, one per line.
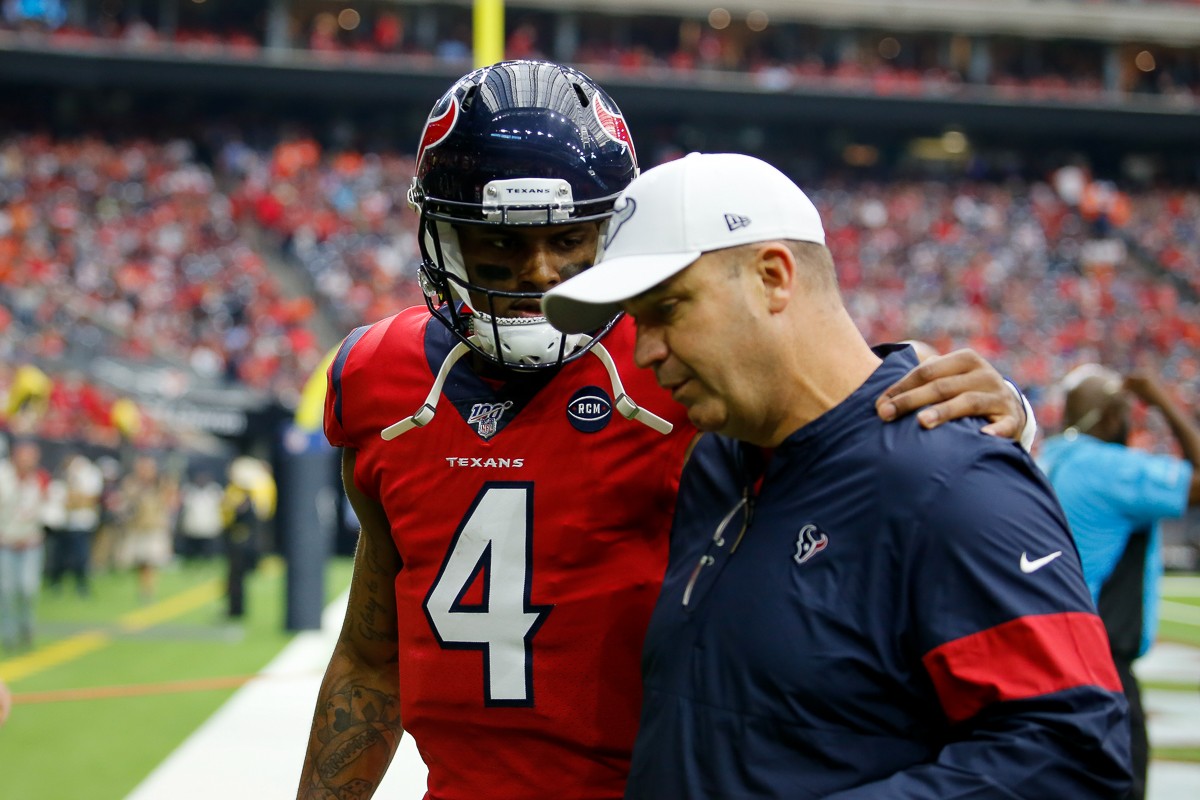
(774,265)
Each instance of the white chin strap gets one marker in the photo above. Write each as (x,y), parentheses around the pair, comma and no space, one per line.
(523,340)
(624,404)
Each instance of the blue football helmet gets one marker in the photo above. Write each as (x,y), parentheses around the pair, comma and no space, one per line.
(519,143)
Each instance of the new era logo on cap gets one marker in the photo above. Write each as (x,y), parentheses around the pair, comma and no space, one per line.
(735,221)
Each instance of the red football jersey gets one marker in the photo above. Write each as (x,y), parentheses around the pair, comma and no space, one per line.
(532,521)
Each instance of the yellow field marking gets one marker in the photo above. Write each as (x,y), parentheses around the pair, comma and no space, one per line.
(137,621)
(79,645)
(52,655)
(176,606)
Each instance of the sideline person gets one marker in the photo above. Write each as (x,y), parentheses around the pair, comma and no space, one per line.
(851,609)
(24,488)
(514,486)
(1115,496)
(6,702)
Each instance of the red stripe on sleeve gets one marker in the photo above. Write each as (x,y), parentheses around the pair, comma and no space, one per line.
(331,422)
(1027,657)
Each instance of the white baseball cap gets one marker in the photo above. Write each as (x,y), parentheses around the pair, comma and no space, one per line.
(669,217)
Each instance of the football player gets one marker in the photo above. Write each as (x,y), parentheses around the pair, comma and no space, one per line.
(515,485)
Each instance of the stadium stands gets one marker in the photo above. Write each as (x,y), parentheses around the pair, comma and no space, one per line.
(133,250)
(859,55)
(129,250)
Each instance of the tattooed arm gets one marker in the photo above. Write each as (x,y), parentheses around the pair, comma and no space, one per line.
(356,727)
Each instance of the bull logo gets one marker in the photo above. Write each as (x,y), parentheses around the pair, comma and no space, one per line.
(810,541)
(622,211)
(612,123)
(438,128)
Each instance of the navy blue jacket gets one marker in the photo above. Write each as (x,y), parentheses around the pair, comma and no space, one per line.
(903,616)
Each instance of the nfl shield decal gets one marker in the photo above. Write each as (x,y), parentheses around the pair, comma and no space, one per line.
(486,417)
(590,409)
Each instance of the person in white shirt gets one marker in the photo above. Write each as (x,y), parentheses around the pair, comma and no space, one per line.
(200,517)
(23,488)
(75,497)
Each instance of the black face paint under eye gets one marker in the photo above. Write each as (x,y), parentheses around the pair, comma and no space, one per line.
(494,274)
(571,270)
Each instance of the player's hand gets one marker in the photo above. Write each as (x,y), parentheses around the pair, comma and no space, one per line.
(1145,387)
(958,384)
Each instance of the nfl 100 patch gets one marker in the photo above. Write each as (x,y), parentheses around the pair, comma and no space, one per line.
(486,417)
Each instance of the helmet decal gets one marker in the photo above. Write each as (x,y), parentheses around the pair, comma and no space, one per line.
(438,128)
(622,211)
(612,123)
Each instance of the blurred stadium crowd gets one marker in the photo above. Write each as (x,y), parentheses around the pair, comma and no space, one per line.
(137,249)
(779,54)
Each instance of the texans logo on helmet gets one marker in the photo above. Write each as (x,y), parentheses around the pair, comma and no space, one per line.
(590,409)
(613,124)
(438,128)
(809,542)
(622,211)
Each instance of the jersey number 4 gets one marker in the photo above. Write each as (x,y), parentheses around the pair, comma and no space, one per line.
(493,547)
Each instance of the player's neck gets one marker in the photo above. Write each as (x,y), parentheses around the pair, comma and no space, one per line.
(496,376)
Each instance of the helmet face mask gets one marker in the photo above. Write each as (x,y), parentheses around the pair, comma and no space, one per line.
(520,144)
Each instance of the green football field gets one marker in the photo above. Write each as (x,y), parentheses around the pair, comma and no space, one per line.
(114,685)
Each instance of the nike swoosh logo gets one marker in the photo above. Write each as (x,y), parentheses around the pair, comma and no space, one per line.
(1028,566)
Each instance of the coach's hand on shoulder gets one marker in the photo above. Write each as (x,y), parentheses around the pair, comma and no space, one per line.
(958,384)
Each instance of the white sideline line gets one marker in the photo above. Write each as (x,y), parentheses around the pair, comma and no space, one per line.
(253,746)
(1181,585)
(1179,612)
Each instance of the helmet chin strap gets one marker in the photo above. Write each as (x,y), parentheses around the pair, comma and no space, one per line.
(424,414)
(625,405)
(521,340)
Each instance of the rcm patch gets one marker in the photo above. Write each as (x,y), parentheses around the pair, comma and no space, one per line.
(590,409)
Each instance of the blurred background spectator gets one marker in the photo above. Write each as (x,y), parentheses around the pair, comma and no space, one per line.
(200,518)
(75,492)
(23,485)
(146,510)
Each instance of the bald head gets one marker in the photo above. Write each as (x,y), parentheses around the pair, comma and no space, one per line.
(1095,402)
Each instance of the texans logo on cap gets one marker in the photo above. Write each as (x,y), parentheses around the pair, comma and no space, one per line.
(438,127)
(622,211)
(613,124)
